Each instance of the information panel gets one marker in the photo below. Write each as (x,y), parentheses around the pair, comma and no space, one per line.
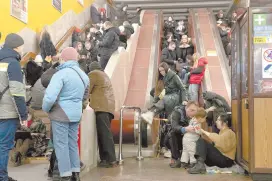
(262,56)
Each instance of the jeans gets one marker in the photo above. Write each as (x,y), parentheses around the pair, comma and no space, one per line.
(8,128)
(65,136)
(193,92)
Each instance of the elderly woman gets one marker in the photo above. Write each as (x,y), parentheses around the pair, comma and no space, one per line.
(219,150)
(63,100)
(172,95)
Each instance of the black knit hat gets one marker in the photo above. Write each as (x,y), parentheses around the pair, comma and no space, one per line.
(95,66)
(13,41)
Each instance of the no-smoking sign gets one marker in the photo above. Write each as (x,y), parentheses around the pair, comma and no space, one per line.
(267,55)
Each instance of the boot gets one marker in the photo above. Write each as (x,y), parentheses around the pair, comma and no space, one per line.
(75,176)
(148,117)
(65,179)
(11,179)
(199,167)
(175,164)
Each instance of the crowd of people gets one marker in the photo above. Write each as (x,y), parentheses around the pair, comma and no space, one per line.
(176,99)
(62,84)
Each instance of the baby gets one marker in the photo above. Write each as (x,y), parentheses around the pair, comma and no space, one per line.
(189,139)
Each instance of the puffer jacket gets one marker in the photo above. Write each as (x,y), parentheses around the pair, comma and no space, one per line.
(173,85)
(110,42)
(12,104)
(169,57)
(196,78)
(66,92)
(37,93)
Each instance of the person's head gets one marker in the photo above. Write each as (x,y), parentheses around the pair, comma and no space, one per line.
(138,9)
(68,54)
(15,42)
(163,68)
(170,18)
(223,121)
(220,14)
(172,46)
(83,54)
(38,60)
(181,23)
(125,8)
(196,56)
(107,25)
(93,29)
(95,66)
(126,23)
(184,39)
(79,46)
(191,108)
(201,115)
(122,29)
(169,38)
(88,45)
(190,59)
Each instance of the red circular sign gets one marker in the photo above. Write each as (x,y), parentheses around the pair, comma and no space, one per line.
(268,55)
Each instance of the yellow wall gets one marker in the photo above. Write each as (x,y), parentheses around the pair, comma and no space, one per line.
(40,13)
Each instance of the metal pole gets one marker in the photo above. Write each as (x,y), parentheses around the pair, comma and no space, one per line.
(121,161)
(139,155)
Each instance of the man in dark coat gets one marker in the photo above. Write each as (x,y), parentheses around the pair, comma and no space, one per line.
(137,17)
(122,14)
(12,101)
(129,30)
(109,44)
(169,55)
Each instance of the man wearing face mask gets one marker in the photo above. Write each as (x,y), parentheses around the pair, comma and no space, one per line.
(169,55)
(12,98)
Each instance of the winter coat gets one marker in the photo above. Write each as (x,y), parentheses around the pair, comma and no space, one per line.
(178,33)
(95,15)
(196,78)
(66,92)
(83,65)
(110,42)
(179,119)
(169,57)
(213,99)
(135,18)
(175,91)
(37,94)
(121,15)
(12,104)
(129,30)
(101,92)
(169,26)
(183,52)
(92,55)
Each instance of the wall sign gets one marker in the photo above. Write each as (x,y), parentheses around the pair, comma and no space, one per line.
(19,9)
(267,62)
(57,4)
(81,2)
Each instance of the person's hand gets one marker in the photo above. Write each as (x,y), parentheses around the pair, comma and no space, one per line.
(211,109)
(190,129)
(184,103)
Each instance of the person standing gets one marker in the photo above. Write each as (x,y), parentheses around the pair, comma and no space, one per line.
(12,98)
(103,102)
(63,100)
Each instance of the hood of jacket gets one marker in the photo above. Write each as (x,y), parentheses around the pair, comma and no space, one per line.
(122,5)
(130,28)
(68,64)
(9,53)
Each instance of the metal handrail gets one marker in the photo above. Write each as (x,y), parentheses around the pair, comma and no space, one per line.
(139,154)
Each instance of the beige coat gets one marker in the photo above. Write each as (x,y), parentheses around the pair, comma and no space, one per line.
(101,92)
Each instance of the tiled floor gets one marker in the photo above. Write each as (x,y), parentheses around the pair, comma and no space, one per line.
(132,170)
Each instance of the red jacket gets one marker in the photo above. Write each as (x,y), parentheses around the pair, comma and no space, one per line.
(197,78)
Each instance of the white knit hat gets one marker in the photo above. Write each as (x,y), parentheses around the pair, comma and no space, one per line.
(38,59)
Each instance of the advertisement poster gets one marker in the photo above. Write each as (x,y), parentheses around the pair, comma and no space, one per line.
(267,62)
(81,2)
(19,9)
(57,4)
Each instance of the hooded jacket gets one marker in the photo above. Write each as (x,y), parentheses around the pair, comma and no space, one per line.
(129,30)
(110,42)
(66,92)
(12,104)
(196,77)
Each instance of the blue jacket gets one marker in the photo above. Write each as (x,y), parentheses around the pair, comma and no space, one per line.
(12,104)
(66,92)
